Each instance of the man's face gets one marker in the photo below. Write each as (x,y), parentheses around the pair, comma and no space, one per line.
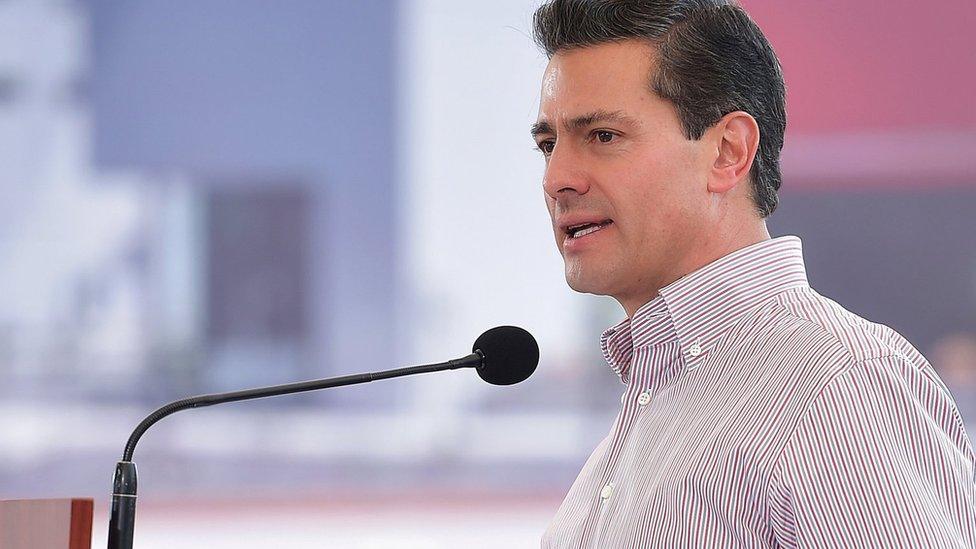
(616,154)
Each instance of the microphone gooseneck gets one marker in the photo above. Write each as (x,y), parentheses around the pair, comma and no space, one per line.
(502,356)
(474,360)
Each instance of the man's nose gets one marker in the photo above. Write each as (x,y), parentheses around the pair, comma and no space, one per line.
(564,173)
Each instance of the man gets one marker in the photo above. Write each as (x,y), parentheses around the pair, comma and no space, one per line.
(758,413)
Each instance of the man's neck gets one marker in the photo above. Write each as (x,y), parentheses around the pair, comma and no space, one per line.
(755,233)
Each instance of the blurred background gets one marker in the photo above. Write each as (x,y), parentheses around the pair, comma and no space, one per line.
(207,195)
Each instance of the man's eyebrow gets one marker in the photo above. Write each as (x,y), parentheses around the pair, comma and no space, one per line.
(589,119)
(541,127)
(581,122)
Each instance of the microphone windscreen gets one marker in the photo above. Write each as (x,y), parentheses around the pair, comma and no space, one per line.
(511,355)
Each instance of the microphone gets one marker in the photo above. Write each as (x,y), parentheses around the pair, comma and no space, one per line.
(510,355)
(504,355)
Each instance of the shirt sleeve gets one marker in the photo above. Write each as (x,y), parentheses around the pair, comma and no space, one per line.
(881,459)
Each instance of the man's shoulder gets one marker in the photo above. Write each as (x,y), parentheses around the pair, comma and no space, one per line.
(871,351)
(861,339)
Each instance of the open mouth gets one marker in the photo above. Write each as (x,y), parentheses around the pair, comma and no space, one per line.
(579,231)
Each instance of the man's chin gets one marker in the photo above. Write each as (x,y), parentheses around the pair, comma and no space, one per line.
(587,286)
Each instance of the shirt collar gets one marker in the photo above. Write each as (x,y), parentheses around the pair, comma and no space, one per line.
(699,307)
(650,326)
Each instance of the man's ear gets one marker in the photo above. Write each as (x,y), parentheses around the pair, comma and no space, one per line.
(736,140)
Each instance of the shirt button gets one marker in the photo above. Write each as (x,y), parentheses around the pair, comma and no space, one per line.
(695,349)
(607,491)
(644,398)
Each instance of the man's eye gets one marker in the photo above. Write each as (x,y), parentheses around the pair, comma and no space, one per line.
(546,147)
(604,136)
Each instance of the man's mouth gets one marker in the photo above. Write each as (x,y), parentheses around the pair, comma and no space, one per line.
(579,231)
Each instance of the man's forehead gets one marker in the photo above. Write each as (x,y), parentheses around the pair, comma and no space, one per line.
(627,60)
(570,90)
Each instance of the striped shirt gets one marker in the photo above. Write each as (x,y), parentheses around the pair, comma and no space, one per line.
(758,413)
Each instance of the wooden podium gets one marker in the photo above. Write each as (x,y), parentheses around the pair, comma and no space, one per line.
(46,524)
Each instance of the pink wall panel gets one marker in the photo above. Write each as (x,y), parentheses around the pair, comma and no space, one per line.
(875,65)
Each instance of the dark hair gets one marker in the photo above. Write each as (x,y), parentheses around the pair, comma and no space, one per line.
(712,60)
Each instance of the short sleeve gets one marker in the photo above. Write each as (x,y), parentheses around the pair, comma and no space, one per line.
(881,459)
